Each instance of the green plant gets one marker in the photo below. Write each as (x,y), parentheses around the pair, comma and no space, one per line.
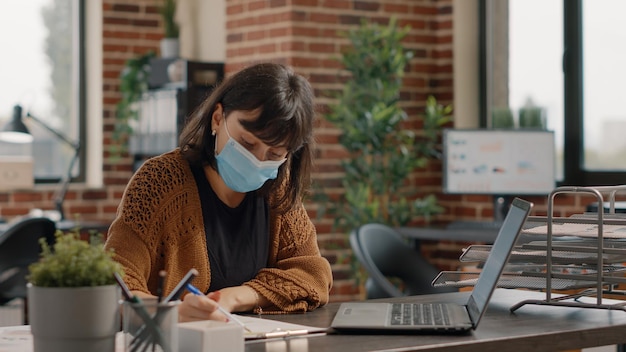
(502,117)
(133,84)
(531,116)
(168,11)
(382,152)
(72,262)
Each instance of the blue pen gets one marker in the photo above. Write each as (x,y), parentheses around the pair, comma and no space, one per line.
(193,289)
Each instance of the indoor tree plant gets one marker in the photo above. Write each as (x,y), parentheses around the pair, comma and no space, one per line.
(382,153)
(73,297)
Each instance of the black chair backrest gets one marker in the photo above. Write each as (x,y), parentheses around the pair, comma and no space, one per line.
(384,253)
(19,247)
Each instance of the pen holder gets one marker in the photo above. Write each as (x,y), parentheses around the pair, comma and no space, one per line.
(150,326)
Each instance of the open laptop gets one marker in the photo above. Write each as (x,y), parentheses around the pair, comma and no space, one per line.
(438,316)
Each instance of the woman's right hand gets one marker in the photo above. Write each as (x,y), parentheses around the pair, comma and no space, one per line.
(196,307)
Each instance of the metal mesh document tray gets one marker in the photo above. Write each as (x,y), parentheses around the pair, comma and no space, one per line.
(509,280)
(536,252)
(585,252)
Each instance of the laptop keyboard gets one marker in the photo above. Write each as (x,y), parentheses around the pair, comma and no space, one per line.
(419,314)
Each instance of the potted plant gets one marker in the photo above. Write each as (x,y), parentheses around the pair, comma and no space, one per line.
(531,116)
(73,299)
(169,44)
(382,153)
(133,84)
(502,117)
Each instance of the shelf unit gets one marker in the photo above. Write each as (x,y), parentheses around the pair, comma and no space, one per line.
(176,88)
(583,252)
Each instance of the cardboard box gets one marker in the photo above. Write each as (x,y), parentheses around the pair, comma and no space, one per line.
(16,172)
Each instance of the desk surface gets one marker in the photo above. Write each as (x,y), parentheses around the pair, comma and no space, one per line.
(446,234)
(68,225)
(473,235)
(532,327)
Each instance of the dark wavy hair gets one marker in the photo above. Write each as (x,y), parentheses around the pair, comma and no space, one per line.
(286,104)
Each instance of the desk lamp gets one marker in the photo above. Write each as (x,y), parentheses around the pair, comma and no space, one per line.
(15,131)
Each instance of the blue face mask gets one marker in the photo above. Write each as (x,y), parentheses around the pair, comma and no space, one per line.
(241,170)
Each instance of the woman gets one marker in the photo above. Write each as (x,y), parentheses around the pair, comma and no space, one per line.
(227,202)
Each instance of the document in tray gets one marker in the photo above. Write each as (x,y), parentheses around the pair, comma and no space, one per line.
(268,328)
(581,230)
(479,253)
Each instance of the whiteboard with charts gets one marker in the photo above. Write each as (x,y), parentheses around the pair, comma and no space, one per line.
(498,162)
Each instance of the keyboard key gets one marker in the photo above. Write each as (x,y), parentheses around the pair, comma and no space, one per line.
(419,314)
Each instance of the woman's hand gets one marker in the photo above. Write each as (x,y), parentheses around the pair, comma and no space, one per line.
(240,299)
(194,308)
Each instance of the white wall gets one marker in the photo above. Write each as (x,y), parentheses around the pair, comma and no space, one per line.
(93,142)
(202,29)
(466,54)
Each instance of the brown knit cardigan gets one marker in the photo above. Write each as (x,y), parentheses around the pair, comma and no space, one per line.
(159,226)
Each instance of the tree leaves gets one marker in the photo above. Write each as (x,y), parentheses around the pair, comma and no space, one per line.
(382,154)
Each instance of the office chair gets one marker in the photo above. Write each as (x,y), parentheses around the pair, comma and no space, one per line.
(385,254)
(19,247)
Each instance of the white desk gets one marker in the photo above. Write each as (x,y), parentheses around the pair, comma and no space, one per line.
(19,339)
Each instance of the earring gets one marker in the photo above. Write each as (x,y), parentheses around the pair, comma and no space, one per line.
(213,133)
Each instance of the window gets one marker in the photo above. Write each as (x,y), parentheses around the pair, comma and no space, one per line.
(42,71)
(603,74)
(559,64)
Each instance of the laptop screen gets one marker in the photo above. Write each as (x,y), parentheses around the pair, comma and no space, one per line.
(498,256)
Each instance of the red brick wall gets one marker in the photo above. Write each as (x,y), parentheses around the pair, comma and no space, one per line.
(129,29)
(304,34)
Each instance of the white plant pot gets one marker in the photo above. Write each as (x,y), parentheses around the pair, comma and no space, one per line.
(170,48)
(74,319)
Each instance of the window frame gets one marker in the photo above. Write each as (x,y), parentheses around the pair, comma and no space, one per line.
(574,172)
(82,91)
(79,15)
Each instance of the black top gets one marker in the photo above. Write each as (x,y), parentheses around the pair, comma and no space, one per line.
(237,238)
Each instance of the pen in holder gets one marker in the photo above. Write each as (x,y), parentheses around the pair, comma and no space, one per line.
(150,325)
(152,322)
